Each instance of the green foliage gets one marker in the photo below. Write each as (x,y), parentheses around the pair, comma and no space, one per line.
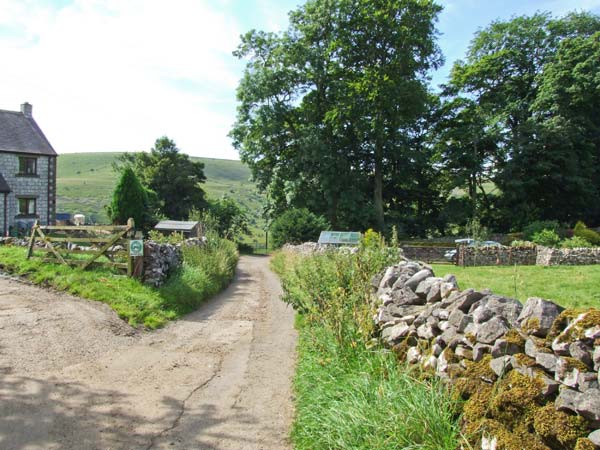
(371,239)
(349,391)
(296,226)
(319,112)
(172,176)
(475,230)
(569,286)
(575,242)
(205,271)
(582,231)
(539,225)
(173,238)
(130,199)
(223,216)
(547,238)
(523,74)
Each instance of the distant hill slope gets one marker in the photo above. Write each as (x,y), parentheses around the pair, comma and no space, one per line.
(85,182)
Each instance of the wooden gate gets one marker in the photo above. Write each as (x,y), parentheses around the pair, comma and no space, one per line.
(84,246)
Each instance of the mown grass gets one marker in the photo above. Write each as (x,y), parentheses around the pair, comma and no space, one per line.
(569,286)
(352,394)
(205,272)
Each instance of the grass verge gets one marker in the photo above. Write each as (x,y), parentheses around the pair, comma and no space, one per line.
(569,286)
(350,392)
(205,272)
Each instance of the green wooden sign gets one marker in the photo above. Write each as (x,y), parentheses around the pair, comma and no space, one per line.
(136,247)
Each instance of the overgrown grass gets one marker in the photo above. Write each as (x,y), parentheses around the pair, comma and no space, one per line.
(204,273)
(350,392)
(569,286)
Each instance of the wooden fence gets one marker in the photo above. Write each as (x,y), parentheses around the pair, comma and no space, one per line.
(84,246)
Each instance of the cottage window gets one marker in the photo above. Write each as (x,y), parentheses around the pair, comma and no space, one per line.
(27,166)
(27,206)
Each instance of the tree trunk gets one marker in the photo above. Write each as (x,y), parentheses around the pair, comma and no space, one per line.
(378,191)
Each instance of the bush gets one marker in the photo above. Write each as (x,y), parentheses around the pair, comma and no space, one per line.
(582,231)
(174,238)
(296,226)
(547,238)
(575,242)
(540,225)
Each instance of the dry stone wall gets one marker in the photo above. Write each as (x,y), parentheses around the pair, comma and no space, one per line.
(314,248)
(425,253)
(496,256)
(159,261)
(477,338)
(567,256)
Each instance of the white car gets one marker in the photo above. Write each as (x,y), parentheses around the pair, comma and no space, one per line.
(450,255)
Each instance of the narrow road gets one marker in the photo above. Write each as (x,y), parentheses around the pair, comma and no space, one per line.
(73,376)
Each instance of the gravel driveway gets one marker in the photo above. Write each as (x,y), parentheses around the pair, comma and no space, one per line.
(74,376)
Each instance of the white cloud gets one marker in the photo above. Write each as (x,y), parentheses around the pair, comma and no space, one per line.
(115,75)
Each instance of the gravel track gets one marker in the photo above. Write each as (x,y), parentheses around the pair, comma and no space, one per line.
(74,376)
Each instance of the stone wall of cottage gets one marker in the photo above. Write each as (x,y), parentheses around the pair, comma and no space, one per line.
(29,186)
(483,342)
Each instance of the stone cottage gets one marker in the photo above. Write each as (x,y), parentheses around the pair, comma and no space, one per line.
(27,172)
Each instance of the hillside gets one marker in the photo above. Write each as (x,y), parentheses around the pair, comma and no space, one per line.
(86,180)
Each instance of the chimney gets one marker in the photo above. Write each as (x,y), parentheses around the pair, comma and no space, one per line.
(26,109)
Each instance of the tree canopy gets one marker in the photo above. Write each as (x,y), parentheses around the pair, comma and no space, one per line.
(336,114)
(171,176)
(327,107)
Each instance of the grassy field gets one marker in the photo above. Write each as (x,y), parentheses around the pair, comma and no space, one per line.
(205,272)
(570,286)
(86,180)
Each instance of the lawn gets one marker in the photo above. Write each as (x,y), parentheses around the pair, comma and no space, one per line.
(204,273)
(569,286)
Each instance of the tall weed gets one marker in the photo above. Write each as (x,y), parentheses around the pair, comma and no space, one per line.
(351,394)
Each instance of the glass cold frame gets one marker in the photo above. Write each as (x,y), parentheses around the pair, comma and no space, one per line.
(339,237)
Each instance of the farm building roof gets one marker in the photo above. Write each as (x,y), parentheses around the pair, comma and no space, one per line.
(4,189)
(175,225)
(19,133)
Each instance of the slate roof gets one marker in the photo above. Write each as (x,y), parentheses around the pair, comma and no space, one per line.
(4,189)
(21,134)
(175,225)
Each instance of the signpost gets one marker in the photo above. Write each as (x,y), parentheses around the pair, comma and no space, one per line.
(136,260)
(136,247)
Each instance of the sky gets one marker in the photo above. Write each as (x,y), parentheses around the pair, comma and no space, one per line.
(114,75)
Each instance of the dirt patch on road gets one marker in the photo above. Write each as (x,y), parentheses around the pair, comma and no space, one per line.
(74,376)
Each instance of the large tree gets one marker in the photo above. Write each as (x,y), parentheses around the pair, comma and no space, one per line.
(172,176)
(325,105)
(503,74)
